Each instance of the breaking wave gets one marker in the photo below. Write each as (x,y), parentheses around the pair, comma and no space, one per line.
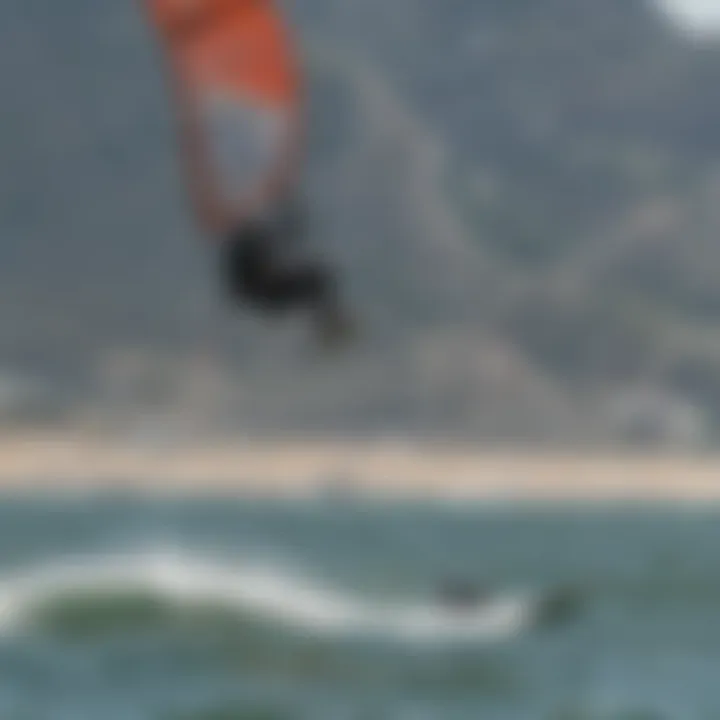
(253,591)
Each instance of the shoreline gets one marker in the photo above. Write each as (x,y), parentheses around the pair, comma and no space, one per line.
(296,469)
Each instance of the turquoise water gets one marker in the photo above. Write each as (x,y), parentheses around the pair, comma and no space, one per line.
(121,609)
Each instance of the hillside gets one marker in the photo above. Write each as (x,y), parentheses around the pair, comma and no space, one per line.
(522,197)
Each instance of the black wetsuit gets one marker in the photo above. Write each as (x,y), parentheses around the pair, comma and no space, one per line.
(254,273)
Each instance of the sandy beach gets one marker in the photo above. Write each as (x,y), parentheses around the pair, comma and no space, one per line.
(302,468)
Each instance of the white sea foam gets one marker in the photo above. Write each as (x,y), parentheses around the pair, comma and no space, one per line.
(265,591)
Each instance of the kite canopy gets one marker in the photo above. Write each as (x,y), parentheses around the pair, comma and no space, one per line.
(238,91)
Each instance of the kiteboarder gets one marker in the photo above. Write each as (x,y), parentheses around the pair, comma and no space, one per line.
(238,88)
(259,269)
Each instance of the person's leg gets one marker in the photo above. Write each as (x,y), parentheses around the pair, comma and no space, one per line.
(253,275)
(309,285)
(313,287)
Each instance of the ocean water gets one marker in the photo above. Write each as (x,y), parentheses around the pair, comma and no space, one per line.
(122,609)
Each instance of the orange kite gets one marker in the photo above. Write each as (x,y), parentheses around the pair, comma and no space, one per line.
(238,89)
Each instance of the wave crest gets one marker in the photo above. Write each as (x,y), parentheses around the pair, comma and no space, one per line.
(262,592)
